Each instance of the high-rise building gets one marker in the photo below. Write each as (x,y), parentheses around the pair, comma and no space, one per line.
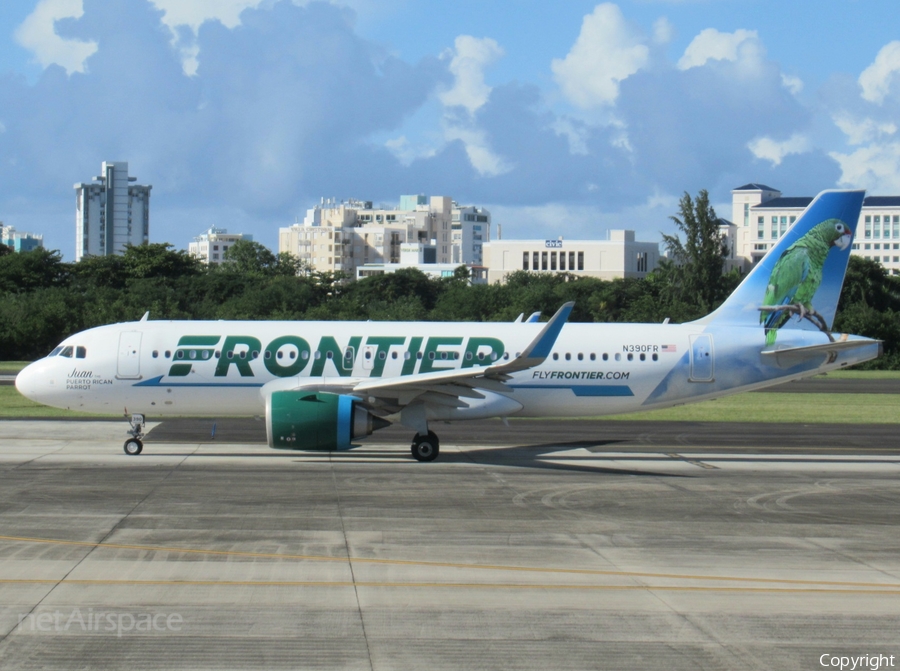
(111,212)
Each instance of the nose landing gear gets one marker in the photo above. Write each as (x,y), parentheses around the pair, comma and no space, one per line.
(134,446)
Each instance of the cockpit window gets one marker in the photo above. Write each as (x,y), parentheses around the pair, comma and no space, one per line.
(66,352)
(80,352)
(55,352)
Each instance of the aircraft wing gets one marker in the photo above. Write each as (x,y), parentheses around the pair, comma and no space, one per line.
(446,387)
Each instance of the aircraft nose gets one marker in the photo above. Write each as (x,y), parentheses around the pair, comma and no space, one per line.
(26,382)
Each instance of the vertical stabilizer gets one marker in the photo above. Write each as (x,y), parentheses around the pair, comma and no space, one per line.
(798,283)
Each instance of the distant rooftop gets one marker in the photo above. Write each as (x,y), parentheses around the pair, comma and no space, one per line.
(881,201)
(754,187)
(784,203)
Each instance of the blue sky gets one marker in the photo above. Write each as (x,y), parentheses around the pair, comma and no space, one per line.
(562,118)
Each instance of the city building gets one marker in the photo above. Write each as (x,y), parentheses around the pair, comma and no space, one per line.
(347,235)
(19,242)
(111,212)
(763,215)
(421,256)
(619,256)
(210,247)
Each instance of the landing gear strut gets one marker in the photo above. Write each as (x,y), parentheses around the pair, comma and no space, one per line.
(427,447)
(133,445)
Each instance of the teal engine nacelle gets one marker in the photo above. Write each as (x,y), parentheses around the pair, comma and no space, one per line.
(306,420)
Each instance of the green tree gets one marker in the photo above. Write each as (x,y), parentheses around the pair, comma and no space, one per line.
(251,259)
(694,267)
(159,260)
(27,271)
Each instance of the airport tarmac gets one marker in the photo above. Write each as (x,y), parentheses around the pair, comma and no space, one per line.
(548,545)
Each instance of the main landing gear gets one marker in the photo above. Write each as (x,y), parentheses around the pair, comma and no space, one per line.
(427,447)
(134,446)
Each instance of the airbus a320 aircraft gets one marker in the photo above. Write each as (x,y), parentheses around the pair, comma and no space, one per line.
(322,385)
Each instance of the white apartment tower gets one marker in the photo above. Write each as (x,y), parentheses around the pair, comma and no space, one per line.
(111,212)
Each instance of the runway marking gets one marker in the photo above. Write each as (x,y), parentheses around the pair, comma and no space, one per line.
(459,565)
(695,462)
(454,585)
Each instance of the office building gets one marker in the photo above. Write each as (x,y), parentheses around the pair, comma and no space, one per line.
(619,256)
(762,215)
(19,242)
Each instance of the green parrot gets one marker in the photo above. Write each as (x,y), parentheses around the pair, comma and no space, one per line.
(798,274)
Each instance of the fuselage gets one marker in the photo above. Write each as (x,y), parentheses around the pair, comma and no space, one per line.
(219,368)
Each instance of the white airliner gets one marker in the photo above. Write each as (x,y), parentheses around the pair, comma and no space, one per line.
(322,385)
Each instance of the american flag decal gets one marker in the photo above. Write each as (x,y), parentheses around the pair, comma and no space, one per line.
(668,348)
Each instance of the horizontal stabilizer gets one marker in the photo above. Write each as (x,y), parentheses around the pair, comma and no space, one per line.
(788,357)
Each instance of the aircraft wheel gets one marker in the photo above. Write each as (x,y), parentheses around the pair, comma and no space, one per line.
(426,448)
(133,446)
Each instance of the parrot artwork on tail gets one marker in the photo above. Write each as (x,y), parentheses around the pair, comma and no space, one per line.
(797,276)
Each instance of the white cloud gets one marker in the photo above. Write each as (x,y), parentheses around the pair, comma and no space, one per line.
(875,168)
(194,13)
(663,30)
(791,83)
(481,156)
(576,135)
(606,52)
(471,56)
(867,130)
(38,34)
(711,45)
(876,79)
(772,150)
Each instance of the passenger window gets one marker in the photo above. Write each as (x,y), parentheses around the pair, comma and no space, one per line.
(605,356)
(656,357)
(80,352)
(431,355)
(293,355)
(66,352)
(394,355)
(643,357)
(155,354)
(555,356)
(418,355)
(230,354)
(630,356)
(618,357)
(303,355)
(568,357)
(218,354)
(593,357)
(179,354)
(243,354)
(580,356)
(329,354)
(268,354)
(168,354)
